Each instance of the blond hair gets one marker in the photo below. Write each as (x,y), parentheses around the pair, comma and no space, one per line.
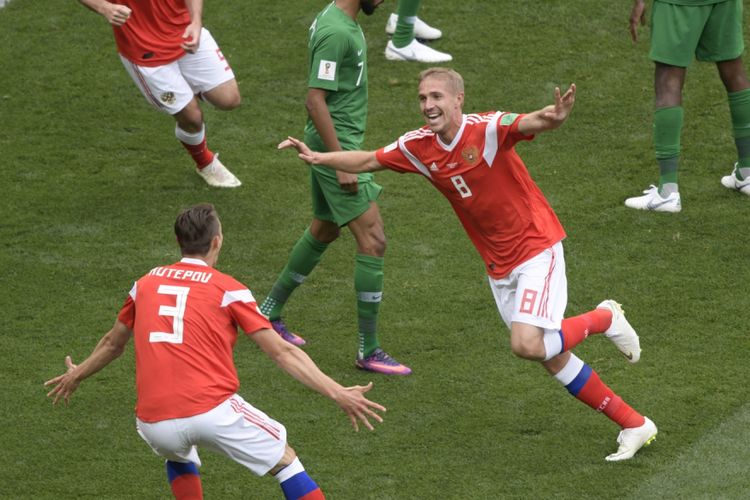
(454,80)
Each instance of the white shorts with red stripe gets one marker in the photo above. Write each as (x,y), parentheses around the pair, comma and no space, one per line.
(234,428)
(171,87)
(535,292)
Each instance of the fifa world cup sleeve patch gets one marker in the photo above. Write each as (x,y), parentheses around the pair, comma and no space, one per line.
(327,70)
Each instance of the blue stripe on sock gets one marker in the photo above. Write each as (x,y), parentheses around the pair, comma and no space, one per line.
(577,384)
(175,469)
(298,485)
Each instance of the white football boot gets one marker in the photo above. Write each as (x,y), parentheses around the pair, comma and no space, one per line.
(422,30)
(415,51)
(217,175)
(621,333)
(633,439)
(652,200)
(732,182)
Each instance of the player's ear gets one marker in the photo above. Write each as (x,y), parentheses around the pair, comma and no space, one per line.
(216,242)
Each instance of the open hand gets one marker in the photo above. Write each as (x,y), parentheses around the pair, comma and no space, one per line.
(65,384)
(358,407)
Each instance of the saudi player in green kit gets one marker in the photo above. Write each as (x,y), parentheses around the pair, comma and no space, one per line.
(337,108)
(707,30)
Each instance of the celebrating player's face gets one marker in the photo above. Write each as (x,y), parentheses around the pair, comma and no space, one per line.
(440,106)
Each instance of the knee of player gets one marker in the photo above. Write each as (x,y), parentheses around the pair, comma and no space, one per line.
(230,102)
(526,348)
(375,245)
(287,458)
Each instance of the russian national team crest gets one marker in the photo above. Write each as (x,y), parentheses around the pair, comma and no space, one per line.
(470,155)
(167,98)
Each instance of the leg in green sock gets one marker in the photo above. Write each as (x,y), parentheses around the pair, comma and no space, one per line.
(407,16)
(304,257)
(739,109)
(667,128)
(368,283)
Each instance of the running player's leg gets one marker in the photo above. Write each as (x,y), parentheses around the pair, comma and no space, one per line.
(368,231)
(723,43)
(675,33)
(531,300)
(305,255)
(251,438)
(293,478)
(211,78)
(182,461)
(584,384)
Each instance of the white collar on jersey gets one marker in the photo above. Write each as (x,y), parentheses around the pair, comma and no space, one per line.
(197,262)
(449,147)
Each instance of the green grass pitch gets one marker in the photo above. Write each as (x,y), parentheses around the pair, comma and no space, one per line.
(92,179)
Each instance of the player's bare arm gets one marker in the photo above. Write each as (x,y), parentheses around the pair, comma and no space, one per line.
(355,162)
(114,13)
(192,35)
(318,111)
(550,117)
(637,16)
(109,348)
(298,364)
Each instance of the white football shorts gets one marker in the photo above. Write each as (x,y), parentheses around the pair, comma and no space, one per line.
(535,292)
(171,87)
(234,428)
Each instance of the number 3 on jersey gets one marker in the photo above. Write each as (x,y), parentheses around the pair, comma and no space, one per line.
(177,312)
(461,186)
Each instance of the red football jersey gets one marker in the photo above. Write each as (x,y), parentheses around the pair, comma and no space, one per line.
(185,318)
(153,33)
(502,210)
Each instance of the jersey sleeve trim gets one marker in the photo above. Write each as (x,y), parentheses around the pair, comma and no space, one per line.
(245,296)
(133,291)
(490,139)
(412,159)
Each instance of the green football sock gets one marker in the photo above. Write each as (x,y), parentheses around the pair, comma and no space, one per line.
(407,16)
(739,109)
(303,259)
(368,283)
(667,129)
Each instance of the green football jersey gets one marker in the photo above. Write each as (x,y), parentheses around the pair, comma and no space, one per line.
(337,57)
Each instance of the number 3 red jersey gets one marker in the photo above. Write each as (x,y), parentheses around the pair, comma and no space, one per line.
(185,318)
(502,210)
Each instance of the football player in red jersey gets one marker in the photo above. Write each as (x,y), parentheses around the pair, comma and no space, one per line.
(184,318)
(471,159)
(173,61)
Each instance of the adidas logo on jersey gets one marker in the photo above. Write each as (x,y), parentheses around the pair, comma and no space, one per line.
(433,167)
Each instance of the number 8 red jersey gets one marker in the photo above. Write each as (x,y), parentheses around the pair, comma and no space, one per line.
(502,210)
(185,318)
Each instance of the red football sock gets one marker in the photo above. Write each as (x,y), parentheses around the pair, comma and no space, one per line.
(187,487)
(600,397)
(314,495)
(200,153)
(574,330)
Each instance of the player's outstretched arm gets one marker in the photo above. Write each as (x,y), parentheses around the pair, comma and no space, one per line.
(111,345)
(114,13)
(298,364)
(550,117)
(355,162)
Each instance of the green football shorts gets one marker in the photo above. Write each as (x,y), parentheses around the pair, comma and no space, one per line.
(708,32)
(331,203)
